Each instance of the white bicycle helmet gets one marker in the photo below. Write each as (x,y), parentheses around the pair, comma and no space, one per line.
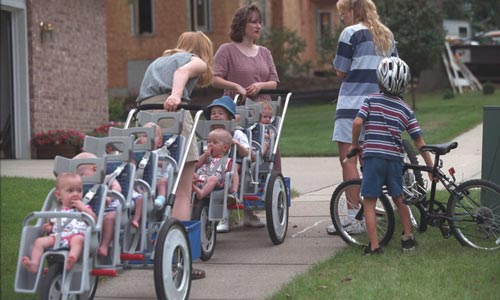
(393,75)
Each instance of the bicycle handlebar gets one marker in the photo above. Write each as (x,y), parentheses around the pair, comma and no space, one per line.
(351,154)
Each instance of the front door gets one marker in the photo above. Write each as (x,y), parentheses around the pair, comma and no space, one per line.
(7,145)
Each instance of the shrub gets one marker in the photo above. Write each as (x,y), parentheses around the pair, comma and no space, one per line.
(488,88)
(449,95)
(285,46)
(116,111)
(103,130)
(59,137)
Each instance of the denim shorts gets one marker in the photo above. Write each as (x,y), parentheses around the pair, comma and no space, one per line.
(378,172)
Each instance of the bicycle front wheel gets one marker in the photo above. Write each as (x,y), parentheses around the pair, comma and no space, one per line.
(347,215)
(475,214)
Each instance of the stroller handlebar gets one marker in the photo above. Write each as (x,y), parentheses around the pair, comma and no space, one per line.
(160,106)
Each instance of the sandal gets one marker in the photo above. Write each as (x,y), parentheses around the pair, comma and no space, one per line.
(197,274)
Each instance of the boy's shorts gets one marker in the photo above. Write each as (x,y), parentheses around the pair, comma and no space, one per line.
(378,172)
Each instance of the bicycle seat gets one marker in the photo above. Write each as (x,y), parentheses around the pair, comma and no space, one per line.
(440,148)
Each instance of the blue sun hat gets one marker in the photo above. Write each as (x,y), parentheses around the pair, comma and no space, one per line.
(224,101)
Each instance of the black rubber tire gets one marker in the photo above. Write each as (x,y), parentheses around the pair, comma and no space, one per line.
(208,229)
(474,223)
(410,176)
(277,208)
(172,262)
(50,285)
(338,208)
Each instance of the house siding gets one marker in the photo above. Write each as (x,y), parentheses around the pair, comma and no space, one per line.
(67,71)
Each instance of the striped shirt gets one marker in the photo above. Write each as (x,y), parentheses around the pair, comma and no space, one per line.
(385,118)
(356,56)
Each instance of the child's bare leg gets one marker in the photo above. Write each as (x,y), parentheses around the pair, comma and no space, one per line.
(108,227)
(75,250)
(138,213)
(404,215)
(207,188)
(41,244)
(161,186)
(161,192)
(371,221)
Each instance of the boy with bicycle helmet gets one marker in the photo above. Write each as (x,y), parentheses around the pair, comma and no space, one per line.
(384,117)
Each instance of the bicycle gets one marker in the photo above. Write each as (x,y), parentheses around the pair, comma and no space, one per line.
(471,213)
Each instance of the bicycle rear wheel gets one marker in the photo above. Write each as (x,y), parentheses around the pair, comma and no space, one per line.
(475,214)
(352,230)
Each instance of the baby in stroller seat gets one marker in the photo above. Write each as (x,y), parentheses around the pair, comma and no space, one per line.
(163,167)
(111,204)
(224,108)
(213,163)
(69,191)
(266,118)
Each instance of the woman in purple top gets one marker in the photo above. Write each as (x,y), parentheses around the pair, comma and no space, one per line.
(241,66)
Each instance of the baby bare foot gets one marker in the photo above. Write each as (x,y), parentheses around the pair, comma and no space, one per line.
(134,223)
(70,262)
(29,264)
(102,251)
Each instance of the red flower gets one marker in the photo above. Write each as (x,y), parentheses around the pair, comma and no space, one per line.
(52,137)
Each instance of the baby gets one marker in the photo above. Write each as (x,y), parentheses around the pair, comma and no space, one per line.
(108,223)
(163,167)
(69,191)
(212,167)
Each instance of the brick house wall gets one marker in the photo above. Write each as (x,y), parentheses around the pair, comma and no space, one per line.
(124,48)
(68,71)
(171,18)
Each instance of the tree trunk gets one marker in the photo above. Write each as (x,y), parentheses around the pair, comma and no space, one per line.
(413,87)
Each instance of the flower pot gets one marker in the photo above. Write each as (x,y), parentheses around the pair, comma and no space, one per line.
(51,151)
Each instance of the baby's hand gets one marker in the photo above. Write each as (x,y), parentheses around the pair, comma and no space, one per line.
(47,227)
(78,204)
(208,151)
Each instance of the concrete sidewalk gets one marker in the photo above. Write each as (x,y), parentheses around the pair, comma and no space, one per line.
(246,265)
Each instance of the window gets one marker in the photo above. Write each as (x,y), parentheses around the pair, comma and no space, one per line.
(324,23)
(462,32)
(200,15)
(142,17)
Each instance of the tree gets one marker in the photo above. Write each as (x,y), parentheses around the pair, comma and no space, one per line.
(286,46)
(418,30)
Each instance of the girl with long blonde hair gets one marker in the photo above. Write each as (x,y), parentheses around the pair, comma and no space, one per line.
(363,43)
(170,80)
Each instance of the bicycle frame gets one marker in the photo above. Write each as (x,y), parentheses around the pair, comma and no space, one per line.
(431,212)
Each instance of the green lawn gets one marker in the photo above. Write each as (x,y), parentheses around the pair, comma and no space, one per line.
(308,128)
(439,269)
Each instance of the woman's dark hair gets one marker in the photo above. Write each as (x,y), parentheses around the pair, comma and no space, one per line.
(240,20)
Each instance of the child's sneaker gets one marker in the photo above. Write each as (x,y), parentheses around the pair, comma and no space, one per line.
(408,244)
(368,250)
(224,226)
(159,202)
(251,220)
